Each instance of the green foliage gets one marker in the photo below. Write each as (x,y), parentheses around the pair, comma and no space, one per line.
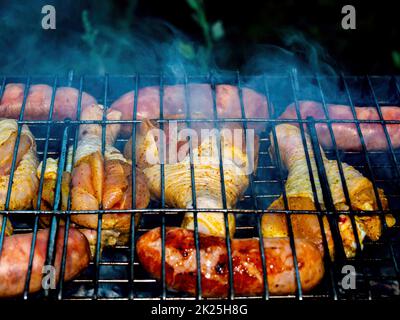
(396,58)
(211,33)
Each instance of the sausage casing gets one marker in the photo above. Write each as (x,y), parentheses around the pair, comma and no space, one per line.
(15,258)
(181,270)
(346,134)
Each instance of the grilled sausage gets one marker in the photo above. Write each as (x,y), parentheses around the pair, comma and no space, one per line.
(181,270)
(346,134)
(38,102)
(200,102)
(15,258)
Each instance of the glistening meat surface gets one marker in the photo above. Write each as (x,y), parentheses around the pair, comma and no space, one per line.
(181,271)
(14,260)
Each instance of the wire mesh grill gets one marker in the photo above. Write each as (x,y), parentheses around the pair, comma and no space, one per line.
(117,274)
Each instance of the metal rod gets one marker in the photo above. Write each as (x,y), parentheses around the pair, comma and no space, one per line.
(194,198)
(133,181)
(162,176)
(223,191)
(39,197)
(13,165)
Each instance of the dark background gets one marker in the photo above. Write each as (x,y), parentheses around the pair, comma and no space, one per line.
(125,36)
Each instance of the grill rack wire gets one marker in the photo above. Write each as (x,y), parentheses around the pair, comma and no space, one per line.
(117,274)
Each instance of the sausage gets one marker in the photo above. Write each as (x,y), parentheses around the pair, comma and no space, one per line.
(38,102)
(181,271)
(200,101)
(346,134)
(15,258)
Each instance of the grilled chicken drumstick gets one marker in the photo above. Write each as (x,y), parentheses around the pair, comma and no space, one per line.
(94,181)
(300,196)
(178,186)
(14,258)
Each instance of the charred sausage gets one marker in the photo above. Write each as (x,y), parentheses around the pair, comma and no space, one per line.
(181,270)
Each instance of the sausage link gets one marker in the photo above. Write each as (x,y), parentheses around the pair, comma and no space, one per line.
(200,100)
(181,270)
(14,260)
(346,134)
(38,102)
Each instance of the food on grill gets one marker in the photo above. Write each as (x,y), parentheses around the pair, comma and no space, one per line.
(14,260)
(200,100)
(177,175)
(300,196)
(25,183)
(181,266)
(97,181)
(109,238)
(346,134)
(113,183)
(15,251)
(9,229)
(38,102)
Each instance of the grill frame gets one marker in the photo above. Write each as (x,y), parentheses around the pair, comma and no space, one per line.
(71,129)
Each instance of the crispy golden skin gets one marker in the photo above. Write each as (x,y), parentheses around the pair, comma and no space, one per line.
(25,183)
(95,181)
(178,185)
(300,196)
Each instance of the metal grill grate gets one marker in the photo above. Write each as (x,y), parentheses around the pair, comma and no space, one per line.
(116,274)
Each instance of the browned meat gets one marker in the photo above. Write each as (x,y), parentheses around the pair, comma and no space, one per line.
(181,271)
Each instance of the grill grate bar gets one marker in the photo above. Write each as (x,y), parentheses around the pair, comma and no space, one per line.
(342,177)
(388,140)
(223,191)
(13,164)
(370,171)
(133,156)
(39,199)
(162,176)
(194,198)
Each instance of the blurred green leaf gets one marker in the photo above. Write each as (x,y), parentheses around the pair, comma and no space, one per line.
(217,30)
(194,4)
(396,58)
